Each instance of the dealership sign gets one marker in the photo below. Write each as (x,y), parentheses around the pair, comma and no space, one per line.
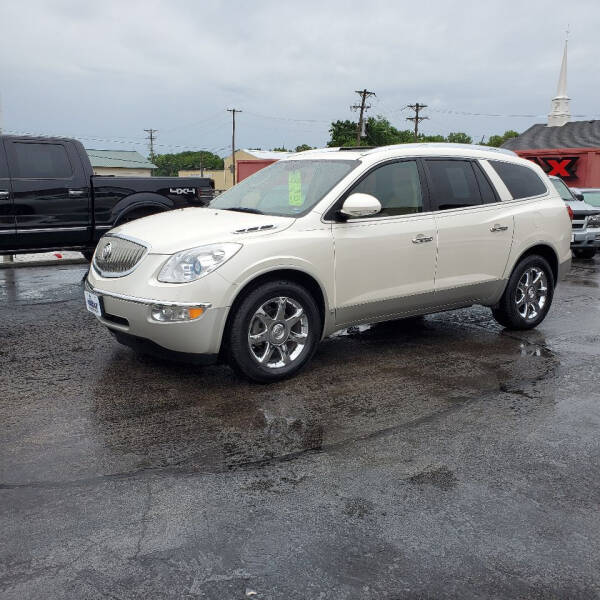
(561,166)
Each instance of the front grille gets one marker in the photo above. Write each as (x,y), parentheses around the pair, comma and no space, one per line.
(577,225)
(115,256)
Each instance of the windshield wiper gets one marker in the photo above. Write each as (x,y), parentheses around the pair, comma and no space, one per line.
(254,211)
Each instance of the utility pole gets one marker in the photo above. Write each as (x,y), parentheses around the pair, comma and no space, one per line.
(364,94)
(151,137)
(417,119)
(233,111)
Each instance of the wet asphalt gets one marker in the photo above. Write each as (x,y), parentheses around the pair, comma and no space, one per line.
(446,458)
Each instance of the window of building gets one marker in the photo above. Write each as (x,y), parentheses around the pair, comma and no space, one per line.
(41,161)
(521,181)
(453,184)
(397,187)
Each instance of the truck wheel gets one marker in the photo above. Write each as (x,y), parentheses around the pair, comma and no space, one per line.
(274,332)
(584,252)
(528,295)
(88,254)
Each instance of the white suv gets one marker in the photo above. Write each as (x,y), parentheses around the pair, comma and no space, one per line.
(330,238)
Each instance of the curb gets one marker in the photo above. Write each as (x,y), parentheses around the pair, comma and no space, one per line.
(44,263)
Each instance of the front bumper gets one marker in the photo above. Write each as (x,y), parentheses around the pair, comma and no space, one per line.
(129,318)
(590,238)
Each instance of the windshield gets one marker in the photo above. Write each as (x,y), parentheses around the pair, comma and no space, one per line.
(562,189)
(288,188)
(592,197)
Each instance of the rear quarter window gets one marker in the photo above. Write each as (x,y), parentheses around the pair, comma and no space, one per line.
(521,181)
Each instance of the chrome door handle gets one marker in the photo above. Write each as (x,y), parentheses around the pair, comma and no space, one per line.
(76,193)
(497,227)
(3,193)
(420,239)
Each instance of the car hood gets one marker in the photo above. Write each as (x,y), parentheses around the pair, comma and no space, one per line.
(579,207)
(176,230)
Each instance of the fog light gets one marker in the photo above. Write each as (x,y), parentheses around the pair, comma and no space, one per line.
(169,314)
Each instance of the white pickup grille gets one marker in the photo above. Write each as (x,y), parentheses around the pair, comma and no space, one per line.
(117,256)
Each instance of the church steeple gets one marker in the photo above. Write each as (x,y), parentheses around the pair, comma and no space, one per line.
(560,112)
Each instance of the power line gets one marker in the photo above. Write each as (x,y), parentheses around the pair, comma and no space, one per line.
(233,111)
(360,129)
(417,119)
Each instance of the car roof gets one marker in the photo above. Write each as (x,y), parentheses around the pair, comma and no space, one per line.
(369,154)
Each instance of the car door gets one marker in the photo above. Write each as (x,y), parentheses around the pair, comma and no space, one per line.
(475,231)
(7,215)
(51,196)
(384,264)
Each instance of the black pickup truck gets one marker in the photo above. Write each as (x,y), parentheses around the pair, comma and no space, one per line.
(50,198)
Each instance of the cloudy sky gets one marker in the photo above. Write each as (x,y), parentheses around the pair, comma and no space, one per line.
(105,71)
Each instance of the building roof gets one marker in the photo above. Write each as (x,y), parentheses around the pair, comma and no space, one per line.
(267,154)
(575,134)
(125,159)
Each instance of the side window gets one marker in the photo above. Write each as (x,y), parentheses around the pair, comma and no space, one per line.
(521,181)
(40,161)
(397,186)
(453,184)
(488,195)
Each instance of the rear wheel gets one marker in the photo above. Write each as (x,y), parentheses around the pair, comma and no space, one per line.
(528,295)
(584,252)
(274,332)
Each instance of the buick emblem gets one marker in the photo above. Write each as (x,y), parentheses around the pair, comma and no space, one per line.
(107,251)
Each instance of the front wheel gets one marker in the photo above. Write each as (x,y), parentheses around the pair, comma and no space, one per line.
(528,295)
(274,332)
(584,252)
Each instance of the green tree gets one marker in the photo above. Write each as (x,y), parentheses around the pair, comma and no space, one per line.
(498,140)
(459,138)
(430,138)
(304,147)
(280,149)
(379,132)
(167,165)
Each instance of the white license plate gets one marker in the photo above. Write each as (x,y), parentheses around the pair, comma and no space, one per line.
(92,303)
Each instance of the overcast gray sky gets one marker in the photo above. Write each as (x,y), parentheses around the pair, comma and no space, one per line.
(110,69)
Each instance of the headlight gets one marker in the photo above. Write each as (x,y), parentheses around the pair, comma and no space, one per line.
(194,263)
(593,221)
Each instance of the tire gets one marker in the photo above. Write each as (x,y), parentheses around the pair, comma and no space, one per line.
(88,254)
(584,252)
(285,333)
(519,308)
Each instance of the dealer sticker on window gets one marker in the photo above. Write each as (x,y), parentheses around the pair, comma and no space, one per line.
(92,303)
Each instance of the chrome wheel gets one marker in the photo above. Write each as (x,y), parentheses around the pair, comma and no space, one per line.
(532,293)
(278,332)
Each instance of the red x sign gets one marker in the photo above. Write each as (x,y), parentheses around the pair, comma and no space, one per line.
(562,166)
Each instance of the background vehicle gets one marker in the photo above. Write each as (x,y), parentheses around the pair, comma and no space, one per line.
(585,239)
(331,238)
(51,200)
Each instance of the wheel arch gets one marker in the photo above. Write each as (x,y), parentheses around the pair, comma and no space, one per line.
(545,251)
(140,201)
(298,276)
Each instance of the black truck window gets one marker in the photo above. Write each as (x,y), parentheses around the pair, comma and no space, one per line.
(41,161)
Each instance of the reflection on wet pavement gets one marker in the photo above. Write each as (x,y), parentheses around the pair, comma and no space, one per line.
(120,412)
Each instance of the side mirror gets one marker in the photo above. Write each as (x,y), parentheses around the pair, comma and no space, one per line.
(579,195)
(360,205)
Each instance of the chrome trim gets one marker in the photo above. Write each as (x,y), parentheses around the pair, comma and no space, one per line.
(4,193)
(255,228)
(8,231)
(104,226)
(44,229)
(148,301)
(110,274)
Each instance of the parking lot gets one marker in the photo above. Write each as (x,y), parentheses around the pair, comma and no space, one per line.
(443,458)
